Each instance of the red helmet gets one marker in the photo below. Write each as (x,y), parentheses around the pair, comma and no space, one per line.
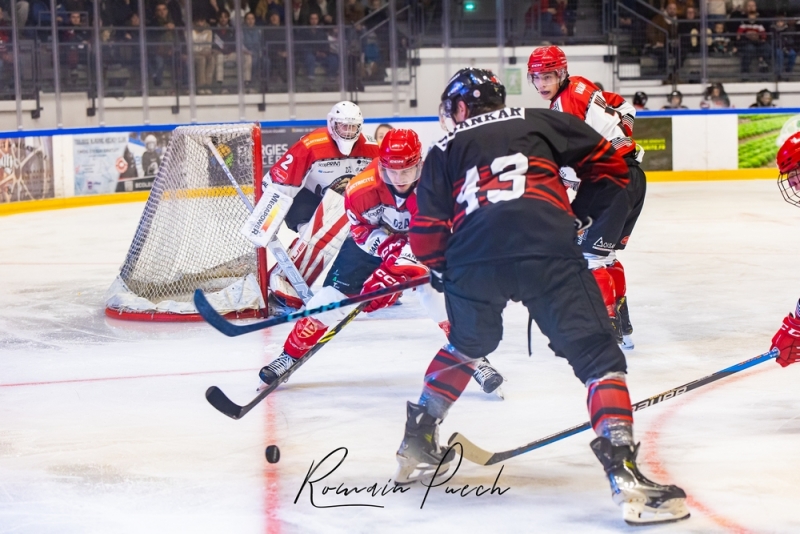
(547,59)
(400,150)
(789,165)
(789,154)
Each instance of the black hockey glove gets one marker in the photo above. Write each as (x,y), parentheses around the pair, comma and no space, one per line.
(437,281)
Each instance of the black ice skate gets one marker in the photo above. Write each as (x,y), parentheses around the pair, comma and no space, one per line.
(643,501)
(625,326)
(488,377)
(420,457)
(275,370)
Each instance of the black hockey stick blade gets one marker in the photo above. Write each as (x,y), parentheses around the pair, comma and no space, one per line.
(216,320)
(223,404)
(480,456)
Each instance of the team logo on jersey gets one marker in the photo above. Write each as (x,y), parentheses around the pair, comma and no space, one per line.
(338,185)
(280,175)
(580,88)
(308,330)
(625,240)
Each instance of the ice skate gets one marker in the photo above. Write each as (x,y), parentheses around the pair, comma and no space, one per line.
(420,458)
(643,501)
(488,377)
(625,323)
(275,370)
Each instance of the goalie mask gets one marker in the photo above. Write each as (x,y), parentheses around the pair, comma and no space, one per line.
(344,125)
(400,161)
(789,167)
(479,89)
(547,70)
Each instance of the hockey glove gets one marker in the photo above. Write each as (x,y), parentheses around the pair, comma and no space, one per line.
(437,281)
(381,279)
(787,341)
(391,247)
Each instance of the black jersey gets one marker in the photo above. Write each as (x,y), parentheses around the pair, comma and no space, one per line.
(491,190)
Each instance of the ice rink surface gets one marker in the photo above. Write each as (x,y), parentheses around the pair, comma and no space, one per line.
(104,426)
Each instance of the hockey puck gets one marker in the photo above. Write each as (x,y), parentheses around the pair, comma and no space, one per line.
(273,454)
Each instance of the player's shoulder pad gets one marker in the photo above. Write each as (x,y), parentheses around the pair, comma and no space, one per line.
(318,137)
(363,183)
(498,115)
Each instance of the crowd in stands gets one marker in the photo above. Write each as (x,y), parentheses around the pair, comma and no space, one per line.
(213,34)
(762,34)
(714,97)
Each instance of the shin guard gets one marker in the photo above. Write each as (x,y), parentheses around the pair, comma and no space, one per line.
(606,284)
(610,408)
(447,375)
(617,272)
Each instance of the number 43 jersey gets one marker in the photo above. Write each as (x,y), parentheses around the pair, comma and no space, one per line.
(491,191)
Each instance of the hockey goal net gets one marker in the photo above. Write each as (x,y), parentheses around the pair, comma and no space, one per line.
(188,236)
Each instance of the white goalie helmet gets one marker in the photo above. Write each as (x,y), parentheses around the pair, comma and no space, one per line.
(344,125)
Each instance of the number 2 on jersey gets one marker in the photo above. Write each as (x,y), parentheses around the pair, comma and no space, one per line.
(288,161)
(495,188)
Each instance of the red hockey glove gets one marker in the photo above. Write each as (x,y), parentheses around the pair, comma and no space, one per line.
(378,280)
(787,341)
(391,247)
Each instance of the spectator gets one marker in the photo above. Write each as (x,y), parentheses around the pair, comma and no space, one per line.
(39,15)
(690,40)
(663,27)
(251,41)
(715,97)
(547,17)
(354,11)
(162,38)
(326,10)
(716,10)
(128,53)
(204,60)
(265,8)
(720,43)
(640,101)
(6,53)
(380,132)
(74,39)
(675,101)
(225,43)
(208,9)
(785,50)
(230,7)
(681,6)
(317,50)
(763,99)
(752,39)
(118,12)
(275,39)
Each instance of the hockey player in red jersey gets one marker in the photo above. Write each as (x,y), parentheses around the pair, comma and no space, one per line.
(379,203)
(494,224)
(787,339)
(612,117)
(322,160)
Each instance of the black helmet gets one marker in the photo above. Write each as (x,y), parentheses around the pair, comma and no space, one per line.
(675,93)
(640,98)
(762,93)
(477,88)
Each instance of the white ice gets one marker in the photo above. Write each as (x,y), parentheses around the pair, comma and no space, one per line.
(104,427)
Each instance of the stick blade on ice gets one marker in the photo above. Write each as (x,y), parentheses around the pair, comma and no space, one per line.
(222,403)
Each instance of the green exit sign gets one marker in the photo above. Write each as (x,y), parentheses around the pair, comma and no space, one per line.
(469,6)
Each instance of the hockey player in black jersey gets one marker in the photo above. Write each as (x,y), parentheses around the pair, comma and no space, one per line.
(494,224)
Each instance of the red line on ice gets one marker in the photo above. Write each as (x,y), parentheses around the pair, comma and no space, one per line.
(74,380)
(659,471)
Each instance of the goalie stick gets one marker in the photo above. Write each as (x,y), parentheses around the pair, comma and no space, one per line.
(274,245)
(477,455)
(232,330)
(223,404)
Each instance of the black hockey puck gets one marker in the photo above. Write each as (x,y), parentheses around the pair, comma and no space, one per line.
(273,454)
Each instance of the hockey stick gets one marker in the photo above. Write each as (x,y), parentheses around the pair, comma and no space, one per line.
(222,403)
(274,246)
(229,329)
(475,454)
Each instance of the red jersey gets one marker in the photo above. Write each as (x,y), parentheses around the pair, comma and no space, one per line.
(314,162)
(374,211)
(608,113)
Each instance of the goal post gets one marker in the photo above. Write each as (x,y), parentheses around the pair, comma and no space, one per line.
(188,236)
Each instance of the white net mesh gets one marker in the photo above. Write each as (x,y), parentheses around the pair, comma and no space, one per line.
(188,236)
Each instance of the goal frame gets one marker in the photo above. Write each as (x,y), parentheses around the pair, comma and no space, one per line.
(261,265)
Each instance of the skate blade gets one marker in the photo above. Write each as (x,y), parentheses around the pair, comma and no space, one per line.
(627,343)
(499,393)
(637,513)
(409,473)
